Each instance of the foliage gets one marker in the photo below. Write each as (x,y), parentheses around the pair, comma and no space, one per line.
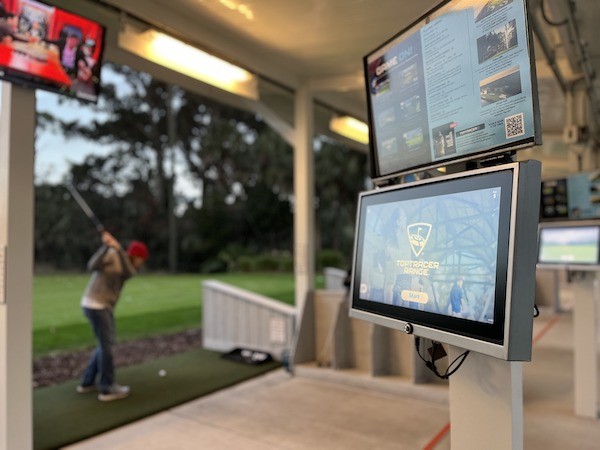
(56,219)
(273,261)
(331,258)
(340,175)
(242,169)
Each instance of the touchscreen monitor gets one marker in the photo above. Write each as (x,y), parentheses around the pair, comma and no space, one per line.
(450,256)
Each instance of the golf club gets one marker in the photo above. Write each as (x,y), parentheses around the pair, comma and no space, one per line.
(86,209)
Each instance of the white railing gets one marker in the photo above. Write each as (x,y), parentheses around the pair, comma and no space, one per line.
(233,317)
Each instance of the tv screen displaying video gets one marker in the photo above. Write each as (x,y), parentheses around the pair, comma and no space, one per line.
(569,245)
(452,258)
(457,84)
(46,47)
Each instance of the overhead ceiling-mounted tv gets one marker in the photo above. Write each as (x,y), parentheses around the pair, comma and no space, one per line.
(457,84)
(452,258)
(45,47)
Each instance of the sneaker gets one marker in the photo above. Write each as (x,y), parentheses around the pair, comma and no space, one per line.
(115,392)
(86,389)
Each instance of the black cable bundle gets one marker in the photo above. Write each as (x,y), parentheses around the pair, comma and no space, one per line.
(431,364)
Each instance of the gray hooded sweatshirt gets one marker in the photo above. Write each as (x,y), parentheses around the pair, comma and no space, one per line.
(110,269)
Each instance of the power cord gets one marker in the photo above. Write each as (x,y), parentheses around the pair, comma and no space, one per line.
(460,359)
(548,20)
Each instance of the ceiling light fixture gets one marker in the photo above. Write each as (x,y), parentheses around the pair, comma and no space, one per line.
(350,128)
(241,8)
(188,60)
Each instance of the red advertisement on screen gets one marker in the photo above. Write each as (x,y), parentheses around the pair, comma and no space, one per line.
(45,47)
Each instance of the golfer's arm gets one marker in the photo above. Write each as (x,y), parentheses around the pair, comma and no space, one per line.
(128,269)
(96,262)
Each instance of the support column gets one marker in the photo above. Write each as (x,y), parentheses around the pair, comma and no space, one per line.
(486,403)
(585,343)
(17,128)
(304,215)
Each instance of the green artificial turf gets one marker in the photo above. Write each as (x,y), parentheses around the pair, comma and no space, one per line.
(150,305)
(62,416)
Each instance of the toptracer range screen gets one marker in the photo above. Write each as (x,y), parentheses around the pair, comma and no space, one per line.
(436,254)
(457,83)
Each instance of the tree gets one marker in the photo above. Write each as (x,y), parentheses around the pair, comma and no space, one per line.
(226,152)
(242,169)
(132,121)
(56,245)
(340,175)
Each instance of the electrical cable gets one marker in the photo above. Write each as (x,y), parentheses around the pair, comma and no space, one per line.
(548,20)
(431,364)
(536,311)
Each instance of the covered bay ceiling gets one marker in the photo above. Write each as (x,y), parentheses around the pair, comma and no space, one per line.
(322,42)
(290,42)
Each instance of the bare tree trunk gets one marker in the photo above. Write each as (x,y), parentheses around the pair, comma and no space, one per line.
(172,224)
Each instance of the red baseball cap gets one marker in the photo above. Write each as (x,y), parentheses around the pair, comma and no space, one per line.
(137,248)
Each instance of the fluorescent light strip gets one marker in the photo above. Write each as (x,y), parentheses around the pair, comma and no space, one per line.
(350,128)
(188,60)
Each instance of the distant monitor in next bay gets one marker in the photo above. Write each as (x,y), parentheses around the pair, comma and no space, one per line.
(573,245)
(457,84)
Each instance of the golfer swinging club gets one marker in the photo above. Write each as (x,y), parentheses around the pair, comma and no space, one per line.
(111,266)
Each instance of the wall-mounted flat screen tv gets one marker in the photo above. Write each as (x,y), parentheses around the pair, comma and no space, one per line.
(46,47)
(452,258)
(554,199)
(574,197)
(457,84)
(570,245)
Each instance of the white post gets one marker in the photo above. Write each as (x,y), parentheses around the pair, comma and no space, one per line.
(585,341)
(304,251)
(17,128)
(486,403)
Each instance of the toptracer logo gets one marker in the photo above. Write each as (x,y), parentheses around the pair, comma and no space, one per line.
(418,234)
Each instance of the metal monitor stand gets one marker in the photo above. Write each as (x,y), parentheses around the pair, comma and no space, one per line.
(486,403)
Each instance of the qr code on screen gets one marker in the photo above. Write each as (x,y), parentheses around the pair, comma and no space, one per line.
(514,126)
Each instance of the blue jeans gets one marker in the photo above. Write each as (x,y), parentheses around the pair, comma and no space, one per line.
(101,362)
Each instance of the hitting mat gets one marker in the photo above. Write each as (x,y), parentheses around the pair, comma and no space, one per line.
(61,416)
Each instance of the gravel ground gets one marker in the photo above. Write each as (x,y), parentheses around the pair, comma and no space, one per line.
(59,367)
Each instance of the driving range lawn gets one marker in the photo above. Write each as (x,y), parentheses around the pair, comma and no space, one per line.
(150,305)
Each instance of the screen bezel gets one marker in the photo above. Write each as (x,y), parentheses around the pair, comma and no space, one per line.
(379,176)
(492,333)
(575,265)
(28,80)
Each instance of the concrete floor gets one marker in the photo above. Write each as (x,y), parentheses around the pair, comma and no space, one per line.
(324,409)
